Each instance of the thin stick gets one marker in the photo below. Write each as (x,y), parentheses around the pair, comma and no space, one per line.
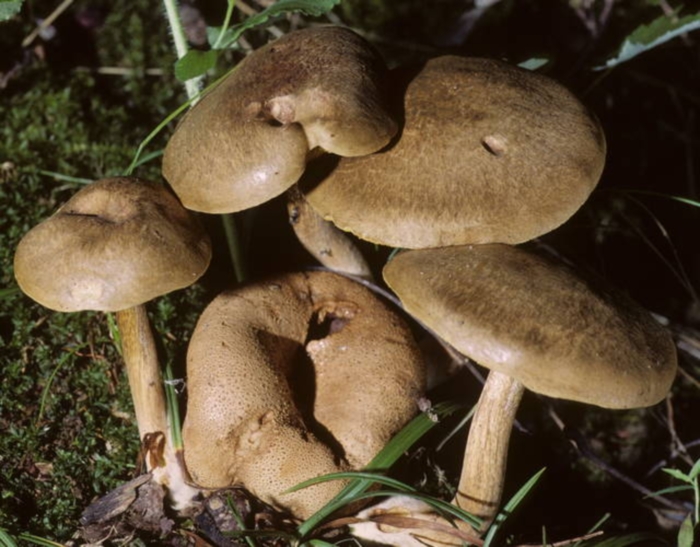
(46,22)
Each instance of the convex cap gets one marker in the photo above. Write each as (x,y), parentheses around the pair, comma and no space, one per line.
(488,153)
(519,314)
(247,140)
(117,243)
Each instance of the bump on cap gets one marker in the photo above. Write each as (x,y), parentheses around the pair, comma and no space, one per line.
(247,140)
(117,243)
(488,153)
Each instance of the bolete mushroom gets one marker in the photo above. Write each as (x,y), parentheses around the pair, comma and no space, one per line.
(247,140)
(116,244)
(538,326)
(260,417)
(488,153)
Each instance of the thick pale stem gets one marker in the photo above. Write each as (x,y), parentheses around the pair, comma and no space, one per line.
(483,470)
(143,370)
(146,383)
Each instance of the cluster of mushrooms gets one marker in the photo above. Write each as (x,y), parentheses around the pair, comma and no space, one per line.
(306,373)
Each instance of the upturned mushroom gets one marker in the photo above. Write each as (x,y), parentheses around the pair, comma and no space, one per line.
(294,377)
(113,246)
(535,325)
(488,152)
(247,141)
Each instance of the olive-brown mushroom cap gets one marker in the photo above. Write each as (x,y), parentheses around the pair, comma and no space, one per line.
(488,153)
(247,140)
(115,244)
(252,402)
(519,314)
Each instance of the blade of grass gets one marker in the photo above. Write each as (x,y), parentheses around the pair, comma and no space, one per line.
(401,442)
(36,540)
(173,407)
(510,507)
(239,521)
(595,527)
(47,388)
(6,540)
(10,291)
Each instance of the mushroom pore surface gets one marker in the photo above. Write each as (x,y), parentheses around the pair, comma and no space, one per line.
(488,152)
(521,315)
(247,140)
(274,401)
(115,244)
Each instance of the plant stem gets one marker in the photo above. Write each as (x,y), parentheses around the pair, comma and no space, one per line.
(194,85)
(193,88)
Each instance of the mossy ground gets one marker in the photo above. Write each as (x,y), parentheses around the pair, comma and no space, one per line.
(67,434)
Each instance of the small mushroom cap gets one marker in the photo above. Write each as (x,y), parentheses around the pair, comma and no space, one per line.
(488,153)
(519,314)
(253,398)
(247,141)
(117,243)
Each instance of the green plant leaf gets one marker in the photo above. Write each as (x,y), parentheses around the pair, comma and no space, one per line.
(694,471)
(195,63)
(677,474)
(509,507)
(9,8)
(669,490)
(6,540)
(534,63)
(312,8)
(686,533)
(394,449)
(646,37)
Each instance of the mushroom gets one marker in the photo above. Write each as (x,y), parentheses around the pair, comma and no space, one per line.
(488,153)
(260,417)
(535,325)
(247,141)
(116,244)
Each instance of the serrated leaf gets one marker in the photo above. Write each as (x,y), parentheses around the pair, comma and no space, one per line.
(686,533)
(647,37)
(9,8)
(312,8)
(195,63)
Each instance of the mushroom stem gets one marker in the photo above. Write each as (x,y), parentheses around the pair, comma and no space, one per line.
(326,243)
(481,483)
(143,370)
(145,381)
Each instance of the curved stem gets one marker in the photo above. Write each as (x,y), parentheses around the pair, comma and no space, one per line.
(328,244)
(483,469)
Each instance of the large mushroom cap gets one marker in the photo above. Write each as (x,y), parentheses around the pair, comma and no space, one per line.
(247,141)
(264,413)
(117,243)
(519,314)
(488,153)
